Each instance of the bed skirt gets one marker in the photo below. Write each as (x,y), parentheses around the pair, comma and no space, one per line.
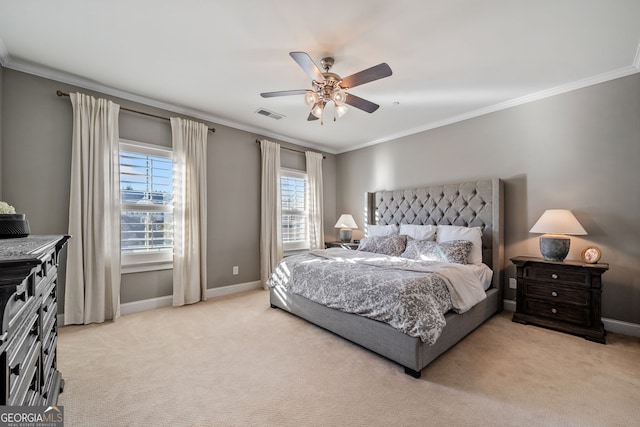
(410,352)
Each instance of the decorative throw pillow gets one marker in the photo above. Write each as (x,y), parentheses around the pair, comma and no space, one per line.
(392,245)
(455,251)
(447,233)
(382,230)
(419,232)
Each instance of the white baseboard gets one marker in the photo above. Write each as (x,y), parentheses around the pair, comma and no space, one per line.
(610,325)
(167,301)
(509,305)
(146,304)
(233,289)
(620,327)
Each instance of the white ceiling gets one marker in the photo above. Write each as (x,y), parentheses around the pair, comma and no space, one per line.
(451,59)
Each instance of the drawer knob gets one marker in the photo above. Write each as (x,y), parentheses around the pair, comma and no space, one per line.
(554,311)
(554,294)
(554,276)
(15,370)
(22,296)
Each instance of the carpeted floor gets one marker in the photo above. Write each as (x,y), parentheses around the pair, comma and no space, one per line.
(234,361)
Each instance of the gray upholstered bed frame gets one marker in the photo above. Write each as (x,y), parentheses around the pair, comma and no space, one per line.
(472,204)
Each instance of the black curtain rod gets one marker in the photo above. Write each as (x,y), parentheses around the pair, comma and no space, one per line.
(292,149)
(61,93)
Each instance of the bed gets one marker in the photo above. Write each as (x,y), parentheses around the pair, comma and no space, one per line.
(467,204)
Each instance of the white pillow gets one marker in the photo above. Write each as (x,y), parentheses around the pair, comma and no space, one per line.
(447,233)
(382,230)
(419,232)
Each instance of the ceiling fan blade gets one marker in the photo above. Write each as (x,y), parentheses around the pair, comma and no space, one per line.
(283,93)
(361,103)
(306,63)
(365,76)
(311,117)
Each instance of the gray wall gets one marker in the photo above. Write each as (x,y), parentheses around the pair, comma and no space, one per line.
(1,172)
(36,173)
(579,151)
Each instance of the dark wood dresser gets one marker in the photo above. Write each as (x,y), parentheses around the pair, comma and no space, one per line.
(565,296)
(29,336)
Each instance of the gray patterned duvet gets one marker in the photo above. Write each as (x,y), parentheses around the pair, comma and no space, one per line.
(411,296)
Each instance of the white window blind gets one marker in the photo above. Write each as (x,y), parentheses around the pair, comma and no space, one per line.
(146,214)
(295,216)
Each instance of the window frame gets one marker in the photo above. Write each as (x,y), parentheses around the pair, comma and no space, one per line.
(145,261)
(297,246)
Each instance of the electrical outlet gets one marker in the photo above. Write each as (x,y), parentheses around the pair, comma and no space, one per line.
(235,270)
(513,284)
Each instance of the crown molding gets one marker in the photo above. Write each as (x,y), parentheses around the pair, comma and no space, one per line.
(4,54)
(7,62)
(536,96)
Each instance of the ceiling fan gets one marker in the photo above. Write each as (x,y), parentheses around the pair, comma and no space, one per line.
(330,87)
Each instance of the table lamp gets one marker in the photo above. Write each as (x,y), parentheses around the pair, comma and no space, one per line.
(555,224)
(345,224)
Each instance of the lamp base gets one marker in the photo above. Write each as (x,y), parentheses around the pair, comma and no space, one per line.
(554,248)
(345,235)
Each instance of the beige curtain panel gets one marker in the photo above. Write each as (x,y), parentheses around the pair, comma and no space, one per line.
(189,211)
(270,210)
(92,286)
(314,178)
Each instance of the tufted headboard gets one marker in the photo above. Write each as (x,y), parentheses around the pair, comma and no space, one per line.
(471,204)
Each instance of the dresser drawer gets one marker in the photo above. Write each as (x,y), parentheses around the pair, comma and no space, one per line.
(19,305)
(27,380)
(557,274)
(23,356)
(557,293)
(45,283)
(564,313)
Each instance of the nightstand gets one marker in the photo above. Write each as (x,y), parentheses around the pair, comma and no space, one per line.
(341,245)
(565,296)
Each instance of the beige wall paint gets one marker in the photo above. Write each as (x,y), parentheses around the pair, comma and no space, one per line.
(579,150)
(37,157)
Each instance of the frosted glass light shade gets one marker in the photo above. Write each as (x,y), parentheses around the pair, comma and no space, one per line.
(341,110)
(311,97)
(339,96)
(317,109)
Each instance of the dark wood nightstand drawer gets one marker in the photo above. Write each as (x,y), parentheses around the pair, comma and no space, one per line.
(557,274)
(564,313)
(557,294)
(565,296)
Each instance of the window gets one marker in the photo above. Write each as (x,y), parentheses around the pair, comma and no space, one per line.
(146,210)
(295,216)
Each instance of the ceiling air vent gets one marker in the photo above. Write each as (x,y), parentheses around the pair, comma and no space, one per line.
(270,114)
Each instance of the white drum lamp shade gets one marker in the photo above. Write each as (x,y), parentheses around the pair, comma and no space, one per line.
(555,225)
(346,223)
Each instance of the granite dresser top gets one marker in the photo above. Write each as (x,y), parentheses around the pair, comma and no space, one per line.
(29,247)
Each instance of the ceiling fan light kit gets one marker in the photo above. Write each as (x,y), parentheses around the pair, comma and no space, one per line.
(330,87)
